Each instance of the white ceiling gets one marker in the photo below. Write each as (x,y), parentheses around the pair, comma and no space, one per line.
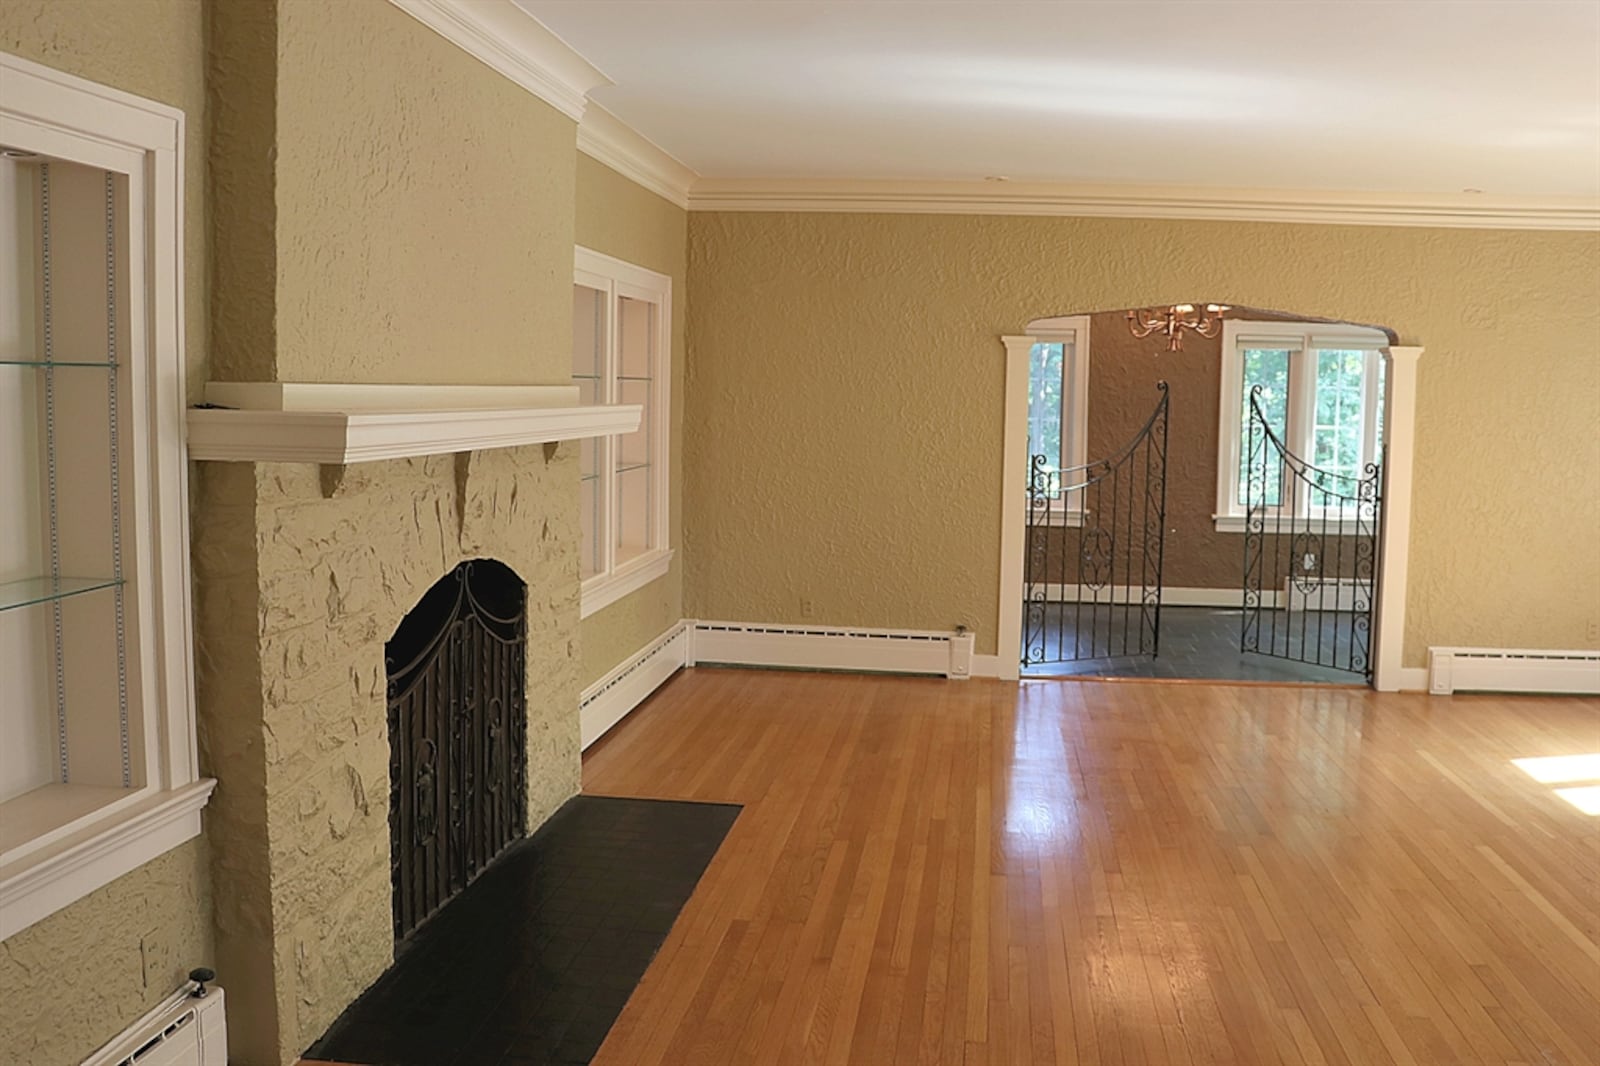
(1419,97)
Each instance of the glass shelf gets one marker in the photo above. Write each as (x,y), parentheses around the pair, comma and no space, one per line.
(63,364)
(34,590)
(632,466)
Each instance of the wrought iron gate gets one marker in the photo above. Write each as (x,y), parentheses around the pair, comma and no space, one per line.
(1096,536)
(457,728)
(1310,555)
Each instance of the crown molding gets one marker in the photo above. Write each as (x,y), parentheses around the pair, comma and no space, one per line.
(606,138)
(1461,210)
(513,42)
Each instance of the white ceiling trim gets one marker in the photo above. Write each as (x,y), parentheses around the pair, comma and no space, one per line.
(607,138)
(515,44)
(1461,210)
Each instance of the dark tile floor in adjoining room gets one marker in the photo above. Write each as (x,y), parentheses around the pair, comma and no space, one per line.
(1200,643)
(533,961)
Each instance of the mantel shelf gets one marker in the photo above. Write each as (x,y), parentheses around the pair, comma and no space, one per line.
(340,424)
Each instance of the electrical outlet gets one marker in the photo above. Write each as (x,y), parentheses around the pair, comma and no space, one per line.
(807,609)
(1591,632)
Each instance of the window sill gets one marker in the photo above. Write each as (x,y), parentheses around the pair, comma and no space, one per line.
(1343,527)
(108,845)
(1057,517)
(605,589)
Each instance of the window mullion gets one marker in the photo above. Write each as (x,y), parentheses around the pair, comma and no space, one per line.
(1301,413)
(607,482)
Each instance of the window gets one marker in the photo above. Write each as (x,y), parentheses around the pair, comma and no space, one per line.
(621,354)
(98,770)
(1321,392)
(1058,379)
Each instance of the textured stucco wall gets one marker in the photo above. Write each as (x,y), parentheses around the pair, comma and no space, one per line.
(71,981)
(845,402)
(74,979)
(421,230)
(625,220)
(424,208)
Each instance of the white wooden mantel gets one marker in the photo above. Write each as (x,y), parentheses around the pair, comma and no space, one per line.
(289,422)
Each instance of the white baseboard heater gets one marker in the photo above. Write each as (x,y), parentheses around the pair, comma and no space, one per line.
(184,1030)
(605,703)
(1513,670)
(904,651)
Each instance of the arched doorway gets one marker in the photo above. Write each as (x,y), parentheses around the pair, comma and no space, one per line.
(1206,530)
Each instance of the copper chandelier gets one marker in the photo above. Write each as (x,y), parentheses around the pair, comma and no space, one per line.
(1173,321)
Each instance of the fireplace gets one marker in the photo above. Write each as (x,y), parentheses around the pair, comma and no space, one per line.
(457,735)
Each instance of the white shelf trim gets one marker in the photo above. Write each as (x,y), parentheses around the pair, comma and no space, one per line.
(316,423)
(319,396)
(113,846)
(603,590)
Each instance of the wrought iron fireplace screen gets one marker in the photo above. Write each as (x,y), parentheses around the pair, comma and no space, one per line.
(457,735)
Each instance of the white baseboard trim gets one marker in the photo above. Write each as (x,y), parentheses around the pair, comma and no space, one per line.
(986,666)
(904,651)
(1575,672)
(1409,679)
(607,701)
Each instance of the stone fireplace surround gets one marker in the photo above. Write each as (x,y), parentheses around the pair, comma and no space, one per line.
(302,573)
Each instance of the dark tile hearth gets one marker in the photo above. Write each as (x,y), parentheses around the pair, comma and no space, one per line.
(533,962)
(1200,643)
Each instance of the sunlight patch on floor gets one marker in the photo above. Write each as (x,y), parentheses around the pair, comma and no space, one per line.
(1555,769)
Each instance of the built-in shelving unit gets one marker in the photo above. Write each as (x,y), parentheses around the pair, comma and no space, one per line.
(99,769)
(68,629)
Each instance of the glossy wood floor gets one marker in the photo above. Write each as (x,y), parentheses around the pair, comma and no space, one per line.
(961,873)
(931,872)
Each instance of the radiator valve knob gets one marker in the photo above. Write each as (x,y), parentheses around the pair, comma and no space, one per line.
(200,975)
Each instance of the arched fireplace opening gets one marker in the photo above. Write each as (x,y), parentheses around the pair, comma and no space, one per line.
(457,735)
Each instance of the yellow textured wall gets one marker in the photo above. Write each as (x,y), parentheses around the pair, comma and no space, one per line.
(625,220)
(424,208)
(843,420)
(73,980)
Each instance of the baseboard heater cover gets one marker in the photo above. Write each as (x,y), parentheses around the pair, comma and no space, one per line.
(903,651)
(184,1030)
(1513,670)
(607,701)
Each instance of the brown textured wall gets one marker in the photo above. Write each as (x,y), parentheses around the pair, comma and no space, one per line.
(241,139)
(71,981)
(845,402)
(1123,372)
(621,219)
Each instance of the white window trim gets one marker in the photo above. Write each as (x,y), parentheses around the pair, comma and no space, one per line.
(55,114)
(1073,330)
(1229,516)
(618,277)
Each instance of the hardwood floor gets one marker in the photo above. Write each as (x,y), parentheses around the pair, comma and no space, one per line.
(1063,872)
